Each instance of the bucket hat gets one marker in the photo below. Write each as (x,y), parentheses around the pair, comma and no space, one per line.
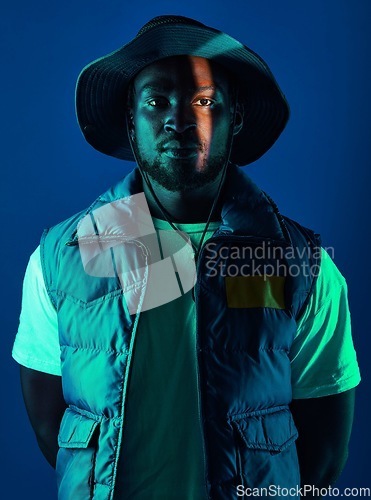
(101,89)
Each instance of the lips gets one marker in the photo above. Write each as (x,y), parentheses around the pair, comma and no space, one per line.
(176,150)
(183,153)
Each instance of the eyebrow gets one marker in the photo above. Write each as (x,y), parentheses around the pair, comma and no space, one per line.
(159,88)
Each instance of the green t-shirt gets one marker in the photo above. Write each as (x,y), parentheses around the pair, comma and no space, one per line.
(162,453)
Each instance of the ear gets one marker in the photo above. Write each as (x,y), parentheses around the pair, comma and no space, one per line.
(239,119)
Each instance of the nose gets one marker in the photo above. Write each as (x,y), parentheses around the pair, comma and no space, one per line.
(180,119)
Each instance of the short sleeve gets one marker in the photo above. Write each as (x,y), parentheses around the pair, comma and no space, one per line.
(323,359)
(36,344)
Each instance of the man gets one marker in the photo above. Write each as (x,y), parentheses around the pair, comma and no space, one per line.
(172,390)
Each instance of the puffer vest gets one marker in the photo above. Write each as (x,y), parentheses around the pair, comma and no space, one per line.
(247,307)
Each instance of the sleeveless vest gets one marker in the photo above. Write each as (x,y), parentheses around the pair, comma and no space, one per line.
(247,307)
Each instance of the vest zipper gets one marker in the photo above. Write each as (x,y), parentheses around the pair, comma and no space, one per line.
(200,410)
(125,387)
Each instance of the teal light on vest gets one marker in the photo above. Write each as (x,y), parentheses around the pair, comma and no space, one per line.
(245,328)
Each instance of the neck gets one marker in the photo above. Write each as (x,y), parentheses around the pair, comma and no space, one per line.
(191,206)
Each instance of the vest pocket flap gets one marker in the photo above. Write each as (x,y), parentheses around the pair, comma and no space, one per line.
(269,431)
(76,429)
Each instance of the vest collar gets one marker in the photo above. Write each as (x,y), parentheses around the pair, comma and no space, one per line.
(247,210)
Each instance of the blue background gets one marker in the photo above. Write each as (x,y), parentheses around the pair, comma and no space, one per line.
(318,172)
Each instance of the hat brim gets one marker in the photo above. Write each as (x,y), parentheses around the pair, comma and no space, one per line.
(102,88)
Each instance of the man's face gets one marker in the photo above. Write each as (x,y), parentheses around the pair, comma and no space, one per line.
(182,114)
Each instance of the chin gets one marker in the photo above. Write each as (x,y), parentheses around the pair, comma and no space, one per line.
(185,183)
(183,175)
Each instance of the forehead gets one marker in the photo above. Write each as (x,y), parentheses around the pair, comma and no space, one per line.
(182,71)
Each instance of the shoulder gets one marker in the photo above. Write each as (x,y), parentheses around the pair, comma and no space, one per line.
(331,285)
(329,293)
(67,229)
(302,234)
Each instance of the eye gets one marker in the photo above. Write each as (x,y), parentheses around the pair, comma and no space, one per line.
(157,102)
(204,102)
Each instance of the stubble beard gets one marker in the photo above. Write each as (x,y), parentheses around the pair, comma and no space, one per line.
(182,176)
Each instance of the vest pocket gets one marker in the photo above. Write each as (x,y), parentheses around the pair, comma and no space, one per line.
(266,452)
(76,455)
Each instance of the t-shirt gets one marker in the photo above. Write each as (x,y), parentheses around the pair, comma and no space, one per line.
(162,412)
